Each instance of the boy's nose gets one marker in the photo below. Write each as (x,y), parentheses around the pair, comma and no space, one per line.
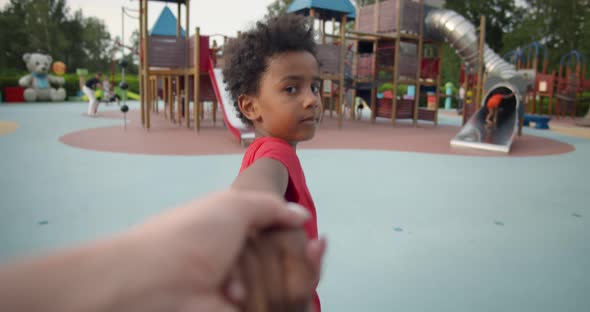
(311,100)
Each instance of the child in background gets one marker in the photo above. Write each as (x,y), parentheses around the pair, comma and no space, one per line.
(272,73)
(492,104)
(108,94)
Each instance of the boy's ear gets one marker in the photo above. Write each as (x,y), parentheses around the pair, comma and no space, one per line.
(249,107)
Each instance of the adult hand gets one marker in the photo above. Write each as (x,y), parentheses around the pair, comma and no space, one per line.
(191,253)
(183,260)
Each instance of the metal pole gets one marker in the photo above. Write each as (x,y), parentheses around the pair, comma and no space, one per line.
(123,32)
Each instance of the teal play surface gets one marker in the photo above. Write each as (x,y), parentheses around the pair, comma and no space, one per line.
(406,231)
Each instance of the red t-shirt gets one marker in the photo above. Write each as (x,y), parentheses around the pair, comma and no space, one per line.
(495,100)
(297,192)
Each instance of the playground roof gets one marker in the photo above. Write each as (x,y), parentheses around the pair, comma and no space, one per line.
(327,8)
(166,24)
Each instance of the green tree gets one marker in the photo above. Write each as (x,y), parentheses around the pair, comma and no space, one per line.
(278,7)
(48,26)
(97,43)
(560,25)
(13,32)
(501,17)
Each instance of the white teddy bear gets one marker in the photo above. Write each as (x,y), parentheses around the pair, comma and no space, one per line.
(38,82)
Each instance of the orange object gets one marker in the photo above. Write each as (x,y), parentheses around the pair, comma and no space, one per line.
(59,68)
(495,100)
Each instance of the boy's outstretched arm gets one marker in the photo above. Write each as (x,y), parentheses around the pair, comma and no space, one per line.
(265,174)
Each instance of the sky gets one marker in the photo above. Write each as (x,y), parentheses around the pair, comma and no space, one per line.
(212,16)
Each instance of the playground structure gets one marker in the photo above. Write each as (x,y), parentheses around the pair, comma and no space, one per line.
(177,67)
(527,60)
(386,49)
(563,89)
(571,83)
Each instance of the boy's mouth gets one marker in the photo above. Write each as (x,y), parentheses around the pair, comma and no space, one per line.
(309,119)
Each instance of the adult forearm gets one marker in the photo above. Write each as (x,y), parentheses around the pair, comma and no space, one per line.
(81,279)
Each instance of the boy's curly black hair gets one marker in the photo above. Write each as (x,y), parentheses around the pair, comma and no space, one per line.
(246,58)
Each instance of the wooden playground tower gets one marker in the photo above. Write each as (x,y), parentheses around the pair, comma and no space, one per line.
(177,64)
(397,30)
(386,46)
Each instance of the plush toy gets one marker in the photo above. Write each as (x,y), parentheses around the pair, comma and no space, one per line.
(38,82)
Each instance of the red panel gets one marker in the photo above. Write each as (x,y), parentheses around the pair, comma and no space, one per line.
(383,108)
(429,68)
(426,114)
(14,94)
(206,92)
(205,54)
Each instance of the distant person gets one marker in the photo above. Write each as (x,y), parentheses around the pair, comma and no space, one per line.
(492,105)
(89,89)
(461,101)
(359,109)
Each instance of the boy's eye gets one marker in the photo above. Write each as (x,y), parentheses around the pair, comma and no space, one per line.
(291,90)
(315,88)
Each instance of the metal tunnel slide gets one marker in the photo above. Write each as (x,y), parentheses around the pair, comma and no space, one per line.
(502,78)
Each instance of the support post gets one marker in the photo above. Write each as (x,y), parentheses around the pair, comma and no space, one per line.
(419,70)
(141,88)
(479,90)
(187,115)
(396,62)
(342,68)
(197,79)
(146,67)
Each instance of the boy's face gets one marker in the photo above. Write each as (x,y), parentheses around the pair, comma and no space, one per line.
(288,104)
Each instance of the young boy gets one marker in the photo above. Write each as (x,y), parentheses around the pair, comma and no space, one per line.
(272,74)
(108,93)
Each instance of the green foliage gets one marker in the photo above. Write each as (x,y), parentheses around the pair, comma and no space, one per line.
(451,68)
(278,7)
(48,26)
(561,26)
(500,17)
(388,86)
(8,81)
(402,89)
(72,85)
(385,87)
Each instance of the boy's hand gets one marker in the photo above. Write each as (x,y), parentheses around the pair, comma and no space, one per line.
(278,271)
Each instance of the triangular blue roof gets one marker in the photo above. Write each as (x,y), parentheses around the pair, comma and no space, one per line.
(335,6)
(165,25)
